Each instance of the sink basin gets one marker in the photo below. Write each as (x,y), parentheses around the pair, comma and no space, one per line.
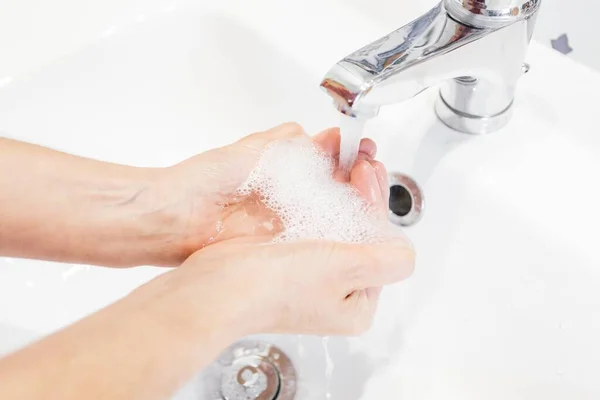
(504,302)
(12,337)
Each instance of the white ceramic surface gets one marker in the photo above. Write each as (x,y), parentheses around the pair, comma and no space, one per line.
(504,303)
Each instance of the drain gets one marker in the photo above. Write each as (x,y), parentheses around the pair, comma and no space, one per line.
(406,200)
(254,370)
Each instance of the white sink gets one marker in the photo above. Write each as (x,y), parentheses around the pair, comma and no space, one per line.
(12,337)
(505,301)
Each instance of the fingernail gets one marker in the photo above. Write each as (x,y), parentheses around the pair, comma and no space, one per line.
(363,156)
(369,147)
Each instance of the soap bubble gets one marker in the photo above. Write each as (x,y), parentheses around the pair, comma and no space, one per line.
(294,179)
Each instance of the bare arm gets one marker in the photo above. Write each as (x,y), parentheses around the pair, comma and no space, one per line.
(60,207)
(145,346)
(149,344)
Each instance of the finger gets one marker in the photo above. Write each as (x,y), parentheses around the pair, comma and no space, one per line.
(377,265)
(341,176)
(358,311)
(368,147)
(287,130)
(329,141)
(363,156)
(384,187)
(363,178)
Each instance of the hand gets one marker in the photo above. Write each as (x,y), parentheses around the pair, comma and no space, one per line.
(312,287)
(142,216)
(202,189)
(228,290)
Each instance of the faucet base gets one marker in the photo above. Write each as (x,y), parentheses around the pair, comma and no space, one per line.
(470,124)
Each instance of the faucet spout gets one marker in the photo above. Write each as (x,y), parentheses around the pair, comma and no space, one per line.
(476,59)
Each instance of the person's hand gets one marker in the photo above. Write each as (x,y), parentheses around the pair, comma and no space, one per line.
(307,287)
(200,191)
(316,287)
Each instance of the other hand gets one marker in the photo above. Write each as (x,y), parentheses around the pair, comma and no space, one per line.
(201,190)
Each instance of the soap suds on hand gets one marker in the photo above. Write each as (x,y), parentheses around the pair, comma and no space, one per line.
(294,179)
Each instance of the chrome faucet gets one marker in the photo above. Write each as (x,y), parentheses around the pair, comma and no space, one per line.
(474,49)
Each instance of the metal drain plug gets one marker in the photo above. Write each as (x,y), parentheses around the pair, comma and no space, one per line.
(254,370)
(407,202)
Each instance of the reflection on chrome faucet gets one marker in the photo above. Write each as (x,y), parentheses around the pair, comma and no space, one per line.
(473,49)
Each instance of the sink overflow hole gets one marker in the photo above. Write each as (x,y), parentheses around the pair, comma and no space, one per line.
(400,200)
(406,200)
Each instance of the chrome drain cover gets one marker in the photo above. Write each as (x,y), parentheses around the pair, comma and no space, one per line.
(254,370)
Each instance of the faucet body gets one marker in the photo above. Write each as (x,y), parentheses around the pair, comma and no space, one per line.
(473,49)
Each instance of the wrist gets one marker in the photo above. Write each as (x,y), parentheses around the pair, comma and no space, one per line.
(171,217)
(199,312)
(137,220)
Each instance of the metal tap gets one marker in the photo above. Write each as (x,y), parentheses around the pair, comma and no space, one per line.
(473,49)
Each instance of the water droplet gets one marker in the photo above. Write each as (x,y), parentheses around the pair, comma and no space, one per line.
(328,365)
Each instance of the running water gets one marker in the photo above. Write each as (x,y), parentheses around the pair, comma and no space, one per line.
(351,132)
(328,366)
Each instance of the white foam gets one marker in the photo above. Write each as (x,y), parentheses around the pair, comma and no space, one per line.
(295,180)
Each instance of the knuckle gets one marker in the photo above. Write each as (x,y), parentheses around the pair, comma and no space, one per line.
(360,317)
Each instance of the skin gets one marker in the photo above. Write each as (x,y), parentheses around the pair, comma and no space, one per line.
(230,282)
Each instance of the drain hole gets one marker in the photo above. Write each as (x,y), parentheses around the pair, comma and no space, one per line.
(406,200)
(400,200)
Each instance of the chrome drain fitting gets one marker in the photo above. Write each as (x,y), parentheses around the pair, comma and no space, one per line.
(254,370)
(407,202)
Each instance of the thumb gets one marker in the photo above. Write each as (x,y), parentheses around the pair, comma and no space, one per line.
(258,141)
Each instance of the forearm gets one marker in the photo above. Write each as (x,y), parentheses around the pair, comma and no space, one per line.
(144,347)
(61,207)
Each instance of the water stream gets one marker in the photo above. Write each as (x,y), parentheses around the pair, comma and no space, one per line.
(351,132)
(328,367)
